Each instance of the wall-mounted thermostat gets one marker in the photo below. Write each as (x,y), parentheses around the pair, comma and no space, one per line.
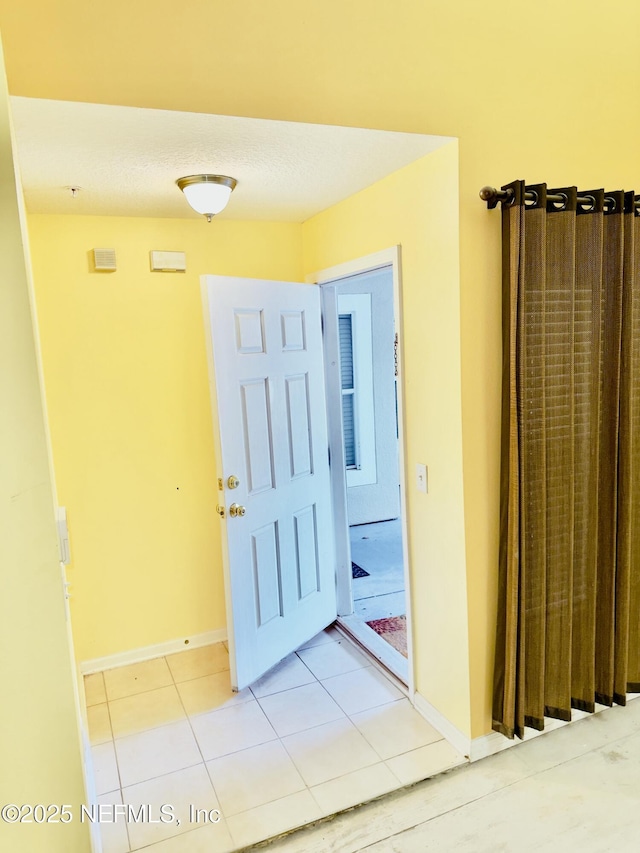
(168,261)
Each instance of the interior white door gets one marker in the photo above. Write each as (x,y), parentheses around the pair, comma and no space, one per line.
(268,394)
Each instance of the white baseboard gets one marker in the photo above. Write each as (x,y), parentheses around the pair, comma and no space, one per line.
(451,733)
(486,745)
(490,744)
(159,650)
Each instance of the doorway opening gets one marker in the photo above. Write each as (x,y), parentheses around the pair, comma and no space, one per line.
(364,397)
(377,566)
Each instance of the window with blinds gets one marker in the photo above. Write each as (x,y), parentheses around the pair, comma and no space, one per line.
(345,331)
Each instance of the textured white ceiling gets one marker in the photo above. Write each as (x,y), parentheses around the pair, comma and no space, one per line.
(126,160)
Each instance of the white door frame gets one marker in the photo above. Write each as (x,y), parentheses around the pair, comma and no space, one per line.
(335,275)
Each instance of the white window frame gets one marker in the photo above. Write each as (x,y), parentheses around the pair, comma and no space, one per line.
(358,306)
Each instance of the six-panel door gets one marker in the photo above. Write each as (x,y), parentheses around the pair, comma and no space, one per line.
(268,381)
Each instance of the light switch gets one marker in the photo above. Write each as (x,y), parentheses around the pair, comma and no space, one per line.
(421,477)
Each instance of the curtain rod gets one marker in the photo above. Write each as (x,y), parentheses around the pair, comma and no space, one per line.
(492,196)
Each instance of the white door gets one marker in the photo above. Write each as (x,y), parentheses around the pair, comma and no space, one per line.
(269,400)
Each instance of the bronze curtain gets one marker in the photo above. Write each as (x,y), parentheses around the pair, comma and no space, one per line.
(568,633)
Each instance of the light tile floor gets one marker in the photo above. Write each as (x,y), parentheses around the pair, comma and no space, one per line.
(322,732)
(572,789)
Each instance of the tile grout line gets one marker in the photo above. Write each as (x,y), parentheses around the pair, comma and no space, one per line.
(284,746)
(172,683)
(104,690)
(277,738)
(381,759)
(362,710)
(154,728)
(286,690)
(300,731)
(175,685)
(235,752)
(204,762)
(198,677)
(333,778)
(141,692)
(115,756)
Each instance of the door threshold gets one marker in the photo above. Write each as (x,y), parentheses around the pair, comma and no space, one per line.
(391,661)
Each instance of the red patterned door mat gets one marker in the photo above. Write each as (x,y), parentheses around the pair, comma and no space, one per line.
(393,630)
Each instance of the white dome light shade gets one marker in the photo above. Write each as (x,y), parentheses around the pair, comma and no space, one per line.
(207,194)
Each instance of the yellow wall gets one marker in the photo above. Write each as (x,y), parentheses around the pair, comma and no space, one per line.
(127,388)
(542,91)
(40,752)
(132,436)
(417,207)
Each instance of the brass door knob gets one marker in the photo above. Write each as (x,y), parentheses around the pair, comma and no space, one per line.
(220,510)
(237,510)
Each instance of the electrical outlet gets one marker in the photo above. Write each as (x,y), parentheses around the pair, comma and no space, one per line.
(421,478)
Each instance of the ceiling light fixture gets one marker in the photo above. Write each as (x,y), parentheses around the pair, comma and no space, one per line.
(207,194)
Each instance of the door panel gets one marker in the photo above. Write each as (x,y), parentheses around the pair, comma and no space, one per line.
(267,377)
(266,573)
(257,433)
(299,426)
(306,537)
